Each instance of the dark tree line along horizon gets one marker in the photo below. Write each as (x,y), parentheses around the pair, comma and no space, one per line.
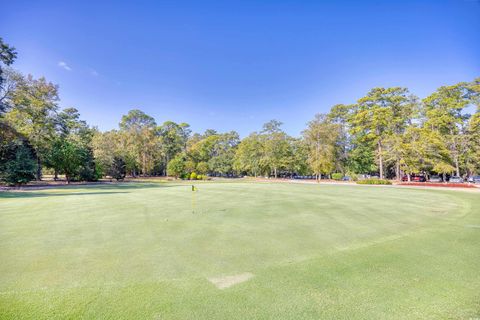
(389,132)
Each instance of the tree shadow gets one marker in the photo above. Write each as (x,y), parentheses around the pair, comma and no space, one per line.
(83,189)
(34,194)
(122,186)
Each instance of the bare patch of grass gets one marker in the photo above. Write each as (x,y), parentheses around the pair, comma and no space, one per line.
(228,281)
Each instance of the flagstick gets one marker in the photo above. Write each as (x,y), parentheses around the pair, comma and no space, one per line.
(193,199)
(193,202)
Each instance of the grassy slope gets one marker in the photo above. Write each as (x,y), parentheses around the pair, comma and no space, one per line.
(138,251)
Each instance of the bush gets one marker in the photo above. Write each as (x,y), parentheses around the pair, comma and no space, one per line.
(193,176)
(176,167)
(374,181)
(202,168)
(189,166)
(21,169)
(337,176)
(88,170)
(118,169)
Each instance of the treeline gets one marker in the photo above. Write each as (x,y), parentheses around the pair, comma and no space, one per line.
(389,132)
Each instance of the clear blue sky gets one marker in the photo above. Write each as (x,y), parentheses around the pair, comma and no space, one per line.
(236,64)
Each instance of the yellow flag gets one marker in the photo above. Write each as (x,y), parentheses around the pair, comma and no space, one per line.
(194,188)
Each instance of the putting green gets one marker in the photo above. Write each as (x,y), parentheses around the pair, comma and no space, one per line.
(239,250)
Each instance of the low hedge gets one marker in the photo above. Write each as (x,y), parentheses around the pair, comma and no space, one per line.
(337,176)
(374,181)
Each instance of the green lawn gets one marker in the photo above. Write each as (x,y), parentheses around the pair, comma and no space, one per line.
(137,251)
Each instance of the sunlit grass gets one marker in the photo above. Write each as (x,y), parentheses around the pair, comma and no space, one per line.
(148,250)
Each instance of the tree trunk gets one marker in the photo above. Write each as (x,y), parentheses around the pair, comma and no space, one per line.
(457,167)
(397,171)
(55,178)
(455,153)
(380,159)
(166,164)
(39,169)
(409,176)
(275,172)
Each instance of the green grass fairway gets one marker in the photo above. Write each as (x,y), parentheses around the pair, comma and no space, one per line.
(303,251)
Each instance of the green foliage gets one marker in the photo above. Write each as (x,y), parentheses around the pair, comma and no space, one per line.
(193,176)
(9,79)
(140,141)
(445,116)
(65,156)
(337,176)
(202,167)
(176,167)
(7,56)
(189,166)
(7,53)
(277,151)
(321,137)
(248,155)
(472,155)
(34,113)
(381,114)
(173,139)
(21,169)
(136,120)
(374,181)
(118,169)
(71,150)
(214,152)
(13,156)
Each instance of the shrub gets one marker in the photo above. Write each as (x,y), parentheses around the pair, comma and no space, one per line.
(193,176)
(337,176)
(189,166)
(118,169)
(21,169)
(202,168)
(176,167)
(374,181)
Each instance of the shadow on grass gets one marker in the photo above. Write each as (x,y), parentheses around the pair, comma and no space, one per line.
(34,194)
(124,186)
(83,190)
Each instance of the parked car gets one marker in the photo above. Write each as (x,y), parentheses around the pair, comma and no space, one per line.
(455,179)
(419,178)
(346,178)
(436,179)
(474,179)
(414,178)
